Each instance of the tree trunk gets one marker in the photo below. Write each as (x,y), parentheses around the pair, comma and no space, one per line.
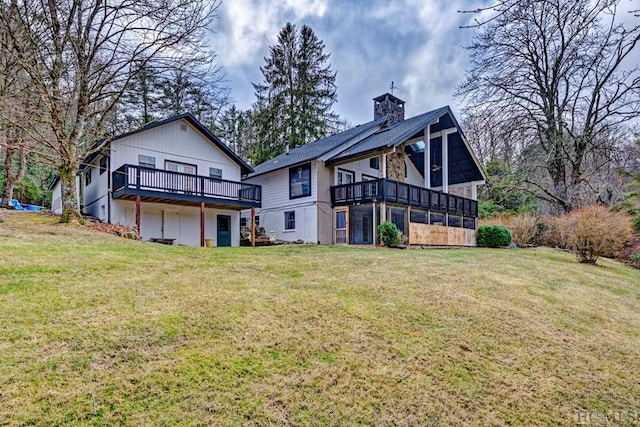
(70,211)
(14,169)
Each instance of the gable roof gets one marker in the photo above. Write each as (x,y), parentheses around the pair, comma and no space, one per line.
(375,136)
(318,148)
(244,167)
(393,135)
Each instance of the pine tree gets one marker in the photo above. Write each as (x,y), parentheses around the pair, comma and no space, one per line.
(235,128)
(193,93)
(294,101)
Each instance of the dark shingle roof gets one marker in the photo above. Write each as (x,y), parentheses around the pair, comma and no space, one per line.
(393,135)
(375,136)
(316,149)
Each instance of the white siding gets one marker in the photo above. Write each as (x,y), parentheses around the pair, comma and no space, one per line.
(276,201)
(325,211)
(175,222)
(169,142)
(95,195)
(359,167)
(179,142)
(414,177)
(56,198)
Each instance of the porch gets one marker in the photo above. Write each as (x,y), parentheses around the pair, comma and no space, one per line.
(424,216)
(157,186)
(162,186)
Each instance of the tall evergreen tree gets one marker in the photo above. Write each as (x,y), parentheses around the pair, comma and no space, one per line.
(235,128)
(294,100)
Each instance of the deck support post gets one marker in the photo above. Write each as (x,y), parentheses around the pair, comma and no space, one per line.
(202,224)
(445,162)
(253,227)
(374,224)
(427,157)
(138,215)
(407,224)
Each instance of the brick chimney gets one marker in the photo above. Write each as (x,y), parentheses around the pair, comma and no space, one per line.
(388,105)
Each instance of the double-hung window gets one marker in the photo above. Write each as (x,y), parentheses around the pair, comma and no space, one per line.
(290,220)
(147,161)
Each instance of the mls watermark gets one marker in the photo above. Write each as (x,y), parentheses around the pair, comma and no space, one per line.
(587,417)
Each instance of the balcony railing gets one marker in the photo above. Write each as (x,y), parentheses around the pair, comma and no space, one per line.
(134,179)
(386,190)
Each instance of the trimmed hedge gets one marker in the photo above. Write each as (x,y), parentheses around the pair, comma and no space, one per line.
(493,236)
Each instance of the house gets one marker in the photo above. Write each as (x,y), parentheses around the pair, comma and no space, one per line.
(419,173)
(172,179)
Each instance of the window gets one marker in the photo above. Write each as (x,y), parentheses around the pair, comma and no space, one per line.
(257,220)
(243,221)
(469,223)
(215,173)
(147,161)
(290,220)
(374,163)
(419,216)
(180,167)
(437,218)
(398,218)
(345,177)
(300,181)
(103,164)
(87,176)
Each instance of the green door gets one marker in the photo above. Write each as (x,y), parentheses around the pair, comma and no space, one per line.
(224,230)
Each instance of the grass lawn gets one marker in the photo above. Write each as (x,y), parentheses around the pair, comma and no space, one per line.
(98,330)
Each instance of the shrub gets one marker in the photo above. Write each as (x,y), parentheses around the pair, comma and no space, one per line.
(523,227)
(630,252)
(594,231)
(388,233)
(636,220)
(493,236)
(552,232)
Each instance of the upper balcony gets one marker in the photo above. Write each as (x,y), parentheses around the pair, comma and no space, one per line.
(162,186)
(389,191)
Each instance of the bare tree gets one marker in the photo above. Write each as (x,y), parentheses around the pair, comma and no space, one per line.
(16,102)
(560,71)
(82,55)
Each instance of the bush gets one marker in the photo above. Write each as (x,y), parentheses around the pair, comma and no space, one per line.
(630,252)
(523,227)
(552,232)
(388,234)
(493,236)
(594,231)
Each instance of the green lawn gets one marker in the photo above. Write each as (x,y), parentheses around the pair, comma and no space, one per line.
(97,330)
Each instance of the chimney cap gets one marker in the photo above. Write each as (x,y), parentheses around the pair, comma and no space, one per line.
(390,97)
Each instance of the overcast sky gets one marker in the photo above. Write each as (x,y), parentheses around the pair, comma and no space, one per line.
(415,43)
(418,44)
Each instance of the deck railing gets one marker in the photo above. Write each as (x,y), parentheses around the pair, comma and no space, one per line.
(387,190)
(157,180)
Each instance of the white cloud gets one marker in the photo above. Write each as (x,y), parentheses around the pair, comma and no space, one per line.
(415,43)
(249,26)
